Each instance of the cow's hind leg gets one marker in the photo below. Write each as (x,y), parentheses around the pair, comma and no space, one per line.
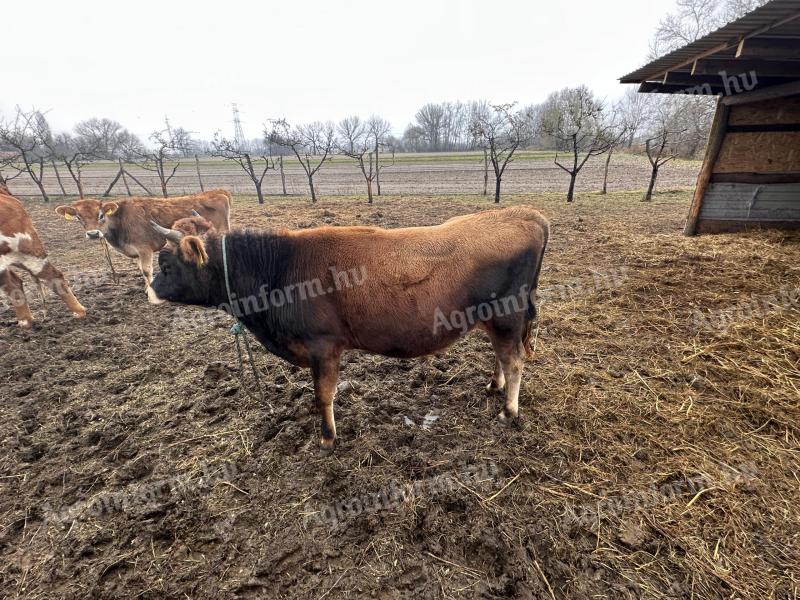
(509,353)
(53,278)
(11,284)
(325,371)
(498,381)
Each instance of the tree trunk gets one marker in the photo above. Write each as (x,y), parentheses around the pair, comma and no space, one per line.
(162,179)
(199,177)
(259,193)
(313,191)
(283,175)
(571,191)
(58,178)
(369,191)
(497,189)
(39,180)
(605,173)
(648,195)
(75,173)
(485,172)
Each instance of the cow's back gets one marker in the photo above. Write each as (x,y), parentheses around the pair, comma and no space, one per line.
(407,276)
(16,224)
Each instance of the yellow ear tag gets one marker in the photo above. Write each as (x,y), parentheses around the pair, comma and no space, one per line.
(68,217)
(109,212)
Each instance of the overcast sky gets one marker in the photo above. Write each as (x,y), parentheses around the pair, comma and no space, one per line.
(311,60)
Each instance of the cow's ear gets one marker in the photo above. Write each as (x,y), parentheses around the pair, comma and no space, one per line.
(193,250)
(66,211)
(109,208)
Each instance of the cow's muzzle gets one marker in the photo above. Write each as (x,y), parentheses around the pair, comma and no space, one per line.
(94,234)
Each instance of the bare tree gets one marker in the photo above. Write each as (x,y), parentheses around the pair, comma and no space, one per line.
(632,112)
(23,145)
(163,158)
(256,166)
(500,130)
(312,144)
(664,138)
(73,152)
(109,139)
(576,121)
(695,18)
(378,130)
(354,142)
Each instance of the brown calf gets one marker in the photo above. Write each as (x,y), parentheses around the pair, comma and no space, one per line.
(20,247)
(310,295)
(126,224)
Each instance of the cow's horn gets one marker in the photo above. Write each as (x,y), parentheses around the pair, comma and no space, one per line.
(170,234)
(195,213)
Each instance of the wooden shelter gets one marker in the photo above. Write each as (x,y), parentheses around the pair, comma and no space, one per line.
(751,172)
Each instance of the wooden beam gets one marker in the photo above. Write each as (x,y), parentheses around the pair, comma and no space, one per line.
(715,139)
(731,83)
(769,47)
(650,87)
(762,67)
(755,178)
(768,93)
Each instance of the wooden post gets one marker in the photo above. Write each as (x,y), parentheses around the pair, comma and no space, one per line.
(283,175)
(124,179)
(199,177)
(139,183)
(114,182)
(715,139)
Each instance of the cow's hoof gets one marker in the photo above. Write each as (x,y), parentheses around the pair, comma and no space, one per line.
(326,447)
(493,387)
(507,418)
(25,323)
(79,315)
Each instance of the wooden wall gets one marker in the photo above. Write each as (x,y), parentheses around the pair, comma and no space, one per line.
(754,175)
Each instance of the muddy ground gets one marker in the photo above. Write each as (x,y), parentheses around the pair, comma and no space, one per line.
(657,455)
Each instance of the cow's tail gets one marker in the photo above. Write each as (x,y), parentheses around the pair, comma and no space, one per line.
(530,317)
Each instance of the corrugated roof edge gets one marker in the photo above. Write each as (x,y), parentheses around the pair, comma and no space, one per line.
(771,13)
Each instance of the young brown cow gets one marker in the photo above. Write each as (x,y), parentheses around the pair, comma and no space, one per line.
(126,224)
(312,294)
(20,247)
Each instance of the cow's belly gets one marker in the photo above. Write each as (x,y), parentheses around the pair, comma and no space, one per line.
(408,340)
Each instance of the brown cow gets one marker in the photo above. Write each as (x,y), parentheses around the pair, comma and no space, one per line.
(419,290)
(194,225)
(20,247)
(126,224)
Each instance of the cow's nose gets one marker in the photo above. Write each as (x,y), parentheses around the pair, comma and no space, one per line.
(94,234)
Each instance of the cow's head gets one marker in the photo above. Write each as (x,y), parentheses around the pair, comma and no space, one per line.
(92,214)
(184,276)
(194,225)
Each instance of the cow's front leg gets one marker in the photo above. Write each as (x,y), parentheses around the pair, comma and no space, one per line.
(11,284)
(146,266)
(325,371)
